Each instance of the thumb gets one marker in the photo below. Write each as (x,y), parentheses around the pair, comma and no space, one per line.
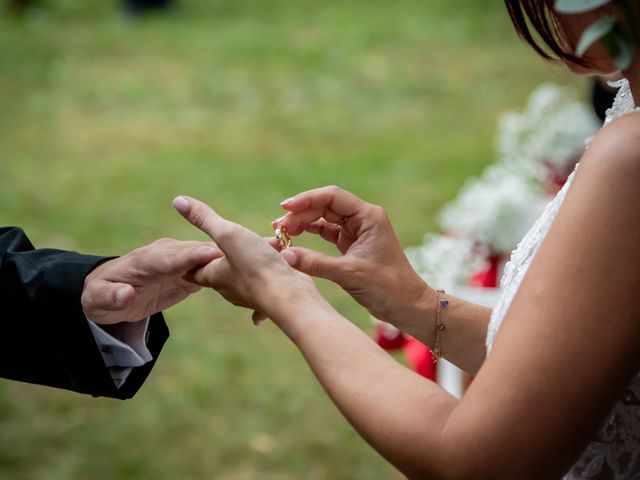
(315,263)
(102,298)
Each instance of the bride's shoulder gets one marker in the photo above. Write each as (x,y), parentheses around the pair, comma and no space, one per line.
(615,149)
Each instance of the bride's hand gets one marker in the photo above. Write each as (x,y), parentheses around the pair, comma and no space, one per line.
(252,273)
(373,268)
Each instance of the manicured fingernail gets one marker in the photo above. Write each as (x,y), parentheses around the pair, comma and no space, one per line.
(287,201)
(181,204)
(278,220)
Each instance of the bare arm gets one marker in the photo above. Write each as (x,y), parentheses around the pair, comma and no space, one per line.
(541,393)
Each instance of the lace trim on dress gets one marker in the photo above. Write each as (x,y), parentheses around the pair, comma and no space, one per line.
(615,451)
(623,102)
(521,257)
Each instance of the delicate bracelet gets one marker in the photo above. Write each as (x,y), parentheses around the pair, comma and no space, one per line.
(439,326)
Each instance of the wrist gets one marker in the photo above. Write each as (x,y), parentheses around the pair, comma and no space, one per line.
(292,310)
(417,301)
(415,315)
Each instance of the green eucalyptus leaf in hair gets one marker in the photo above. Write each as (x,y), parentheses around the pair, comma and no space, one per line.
(578,6)
(620,48)
(594,32)
(619,38)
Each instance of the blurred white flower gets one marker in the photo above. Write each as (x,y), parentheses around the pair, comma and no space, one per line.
(495,210)
(446,261)
(551,130)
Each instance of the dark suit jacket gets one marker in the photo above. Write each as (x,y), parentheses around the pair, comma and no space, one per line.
(44,335)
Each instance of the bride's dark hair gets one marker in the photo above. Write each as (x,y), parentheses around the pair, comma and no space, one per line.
(537,15)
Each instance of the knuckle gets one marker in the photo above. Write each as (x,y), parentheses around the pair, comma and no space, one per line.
(162,241)
(136,253)
(148,253)
(378,213)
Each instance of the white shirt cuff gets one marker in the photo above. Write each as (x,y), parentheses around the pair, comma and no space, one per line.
(122,347)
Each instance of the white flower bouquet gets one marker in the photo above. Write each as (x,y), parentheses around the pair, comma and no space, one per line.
(495,210)
(446,261)
(549,133)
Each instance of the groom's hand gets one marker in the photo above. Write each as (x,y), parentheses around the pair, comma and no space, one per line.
(146,281)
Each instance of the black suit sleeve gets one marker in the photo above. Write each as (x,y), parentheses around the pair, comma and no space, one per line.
(44,335)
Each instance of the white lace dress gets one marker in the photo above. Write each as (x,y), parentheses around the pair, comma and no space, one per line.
(615,451)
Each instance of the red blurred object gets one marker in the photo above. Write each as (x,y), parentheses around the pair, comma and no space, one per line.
(418,354)
(389,338)
(487,278)
(420,358)
(557,177)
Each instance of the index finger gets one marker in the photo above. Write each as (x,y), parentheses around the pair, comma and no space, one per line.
(333,198)
(202,216)
(172,257)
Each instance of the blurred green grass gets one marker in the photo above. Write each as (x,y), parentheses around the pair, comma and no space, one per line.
(242,104)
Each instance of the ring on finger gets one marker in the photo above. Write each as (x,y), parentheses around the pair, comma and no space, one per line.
(283,237)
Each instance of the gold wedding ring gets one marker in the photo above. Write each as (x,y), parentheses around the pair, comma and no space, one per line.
(283,237)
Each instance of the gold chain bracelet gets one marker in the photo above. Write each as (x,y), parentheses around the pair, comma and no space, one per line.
(441,304)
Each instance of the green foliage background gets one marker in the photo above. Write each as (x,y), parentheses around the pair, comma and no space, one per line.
(103,120)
